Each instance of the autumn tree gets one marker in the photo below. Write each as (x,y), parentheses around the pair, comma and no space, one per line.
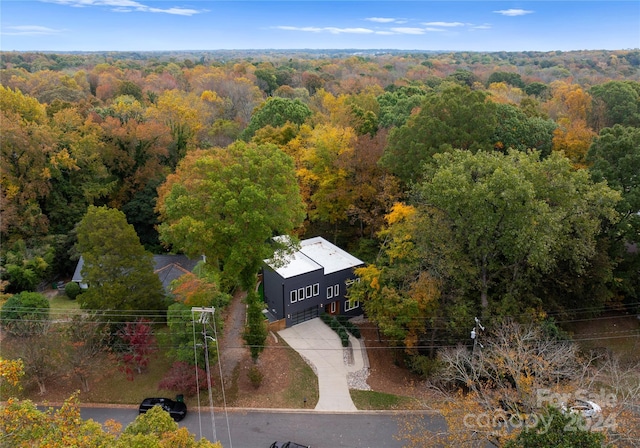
(227,204)
(322,176)
(517,217)
(515,130)
(25,155)
(185,115)
(453,117)
(491,393)
(84,178)
(267,80)
(570,106)
(556,433)
(189,291)
(616,102)
(135,154)
(42,360)
(27,263)
(510,78)
(88,339)
(25,314)
(398,296)
(481,233)
(396,105)
(371,190)
(156,429)
(277,112)
(11,373)
(24,425)
(185,378)
(117,269)
(138,345)
(615,157)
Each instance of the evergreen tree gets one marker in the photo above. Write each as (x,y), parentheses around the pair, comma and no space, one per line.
(117,269)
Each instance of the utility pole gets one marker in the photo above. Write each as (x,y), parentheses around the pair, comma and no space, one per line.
(475,333)
(205,315)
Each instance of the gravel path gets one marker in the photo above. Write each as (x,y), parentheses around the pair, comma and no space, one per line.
(232,347)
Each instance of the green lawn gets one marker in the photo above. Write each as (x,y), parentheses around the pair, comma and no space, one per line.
(367,400)
(304,385)
(61,307)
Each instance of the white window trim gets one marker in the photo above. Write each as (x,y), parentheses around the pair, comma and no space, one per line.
(336,290)
(329,292)
(356,304)
(316,289)
(308,291)
(333,307)
(300,293)
(293,296)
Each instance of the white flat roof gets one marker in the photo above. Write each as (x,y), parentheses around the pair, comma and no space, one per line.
(297,264)
(328,255)
(316,253)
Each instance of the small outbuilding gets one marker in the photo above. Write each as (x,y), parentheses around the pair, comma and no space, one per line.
(310,282)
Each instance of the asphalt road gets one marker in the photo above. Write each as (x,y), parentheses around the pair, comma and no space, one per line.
(259,428)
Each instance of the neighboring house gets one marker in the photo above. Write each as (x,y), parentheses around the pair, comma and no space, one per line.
(312,281)
(167,267)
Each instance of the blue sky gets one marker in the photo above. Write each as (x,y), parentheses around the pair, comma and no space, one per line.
(140,25)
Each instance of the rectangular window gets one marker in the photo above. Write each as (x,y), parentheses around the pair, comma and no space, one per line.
(294,296)
(336,290)
(329,292)
(307,291)
(316,289)
(301,294)
(333,307)
(351,281)
(348,306)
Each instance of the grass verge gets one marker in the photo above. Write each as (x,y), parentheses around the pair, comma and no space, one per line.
(303,389)
(368,400)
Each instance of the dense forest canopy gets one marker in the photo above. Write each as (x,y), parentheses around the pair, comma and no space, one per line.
(368,142)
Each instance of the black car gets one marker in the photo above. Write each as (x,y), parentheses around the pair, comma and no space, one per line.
(176,409)
(287,445)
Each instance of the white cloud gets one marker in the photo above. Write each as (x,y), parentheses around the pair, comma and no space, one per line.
(28,30)
(380,19)
(435,30)
(513,12)
(444,24)
(485,26)
(408,30)
(327,29)
(125,6)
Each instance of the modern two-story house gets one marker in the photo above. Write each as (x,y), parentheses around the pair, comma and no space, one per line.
(310,282)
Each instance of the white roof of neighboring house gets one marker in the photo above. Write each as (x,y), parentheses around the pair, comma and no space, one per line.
(316,253)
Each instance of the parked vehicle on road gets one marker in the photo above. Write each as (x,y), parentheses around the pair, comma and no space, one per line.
(585,408)
(176,409)
(287,445)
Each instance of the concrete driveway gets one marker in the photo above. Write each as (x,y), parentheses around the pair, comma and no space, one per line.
(320,346)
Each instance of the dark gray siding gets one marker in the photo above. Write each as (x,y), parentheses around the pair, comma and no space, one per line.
(305,293)
(273,285)
(339,279)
